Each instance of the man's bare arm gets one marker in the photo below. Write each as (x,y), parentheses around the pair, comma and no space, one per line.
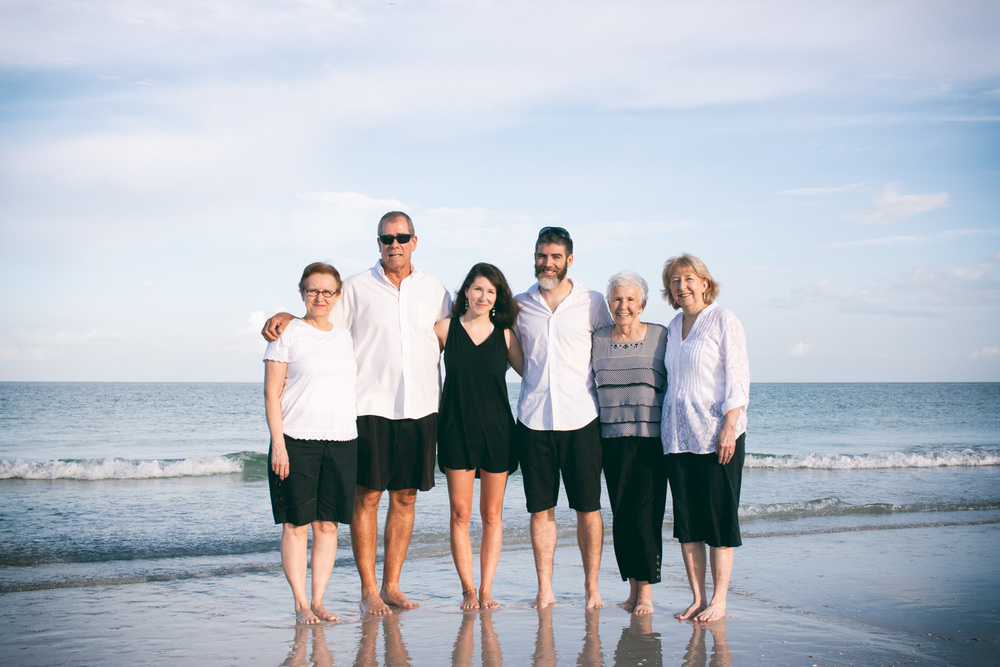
(275,325)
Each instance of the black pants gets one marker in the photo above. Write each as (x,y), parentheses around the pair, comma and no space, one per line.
(637,484)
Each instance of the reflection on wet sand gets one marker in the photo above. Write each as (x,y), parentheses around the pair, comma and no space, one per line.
(321,656)
(697,651)
(464,652)
(395,650)
(639,645)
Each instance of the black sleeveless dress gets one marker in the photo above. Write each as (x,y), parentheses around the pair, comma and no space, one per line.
(475,423)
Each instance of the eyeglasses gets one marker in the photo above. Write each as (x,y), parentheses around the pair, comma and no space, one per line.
(327,294)
(387,239)
(558,231)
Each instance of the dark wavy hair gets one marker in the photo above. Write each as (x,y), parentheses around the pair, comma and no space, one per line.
(505,309)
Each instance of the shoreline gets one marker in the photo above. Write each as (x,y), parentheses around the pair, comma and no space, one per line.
(906,596)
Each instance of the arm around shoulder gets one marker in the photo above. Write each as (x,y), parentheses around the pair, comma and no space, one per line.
(275,325)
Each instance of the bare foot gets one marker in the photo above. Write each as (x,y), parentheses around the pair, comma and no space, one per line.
(712,612)
(395,597)
(305,617)
(690,611)
(374,606)
(543,600)
(644,607)
(322,613)
(469,599)
(628,605)
(594,600)
(487,602)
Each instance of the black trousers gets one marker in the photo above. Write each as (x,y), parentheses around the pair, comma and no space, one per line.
(637,484)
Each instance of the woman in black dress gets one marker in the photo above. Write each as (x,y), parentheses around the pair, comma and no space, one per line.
(475,421)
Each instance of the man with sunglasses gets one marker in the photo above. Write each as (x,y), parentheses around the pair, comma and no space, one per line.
(557,410)
(391,310)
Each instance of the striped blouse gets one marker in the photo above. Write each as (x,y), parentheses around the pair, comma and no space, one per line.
(631,381)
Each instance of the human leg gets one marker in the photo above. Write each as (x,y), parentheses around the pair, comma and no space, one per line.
(294,545)
(460,486)
(398,529)
(722,568)
(364,543)
(324,553)
(590,538)
(543,544)
(492,487)
(693,554)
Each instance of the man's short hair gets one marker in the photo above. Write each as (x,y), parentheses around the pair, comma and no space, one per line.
(392,215)
(555,235)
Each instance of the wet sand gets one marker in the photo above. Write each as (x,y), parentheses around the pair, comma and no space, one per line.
(913,596)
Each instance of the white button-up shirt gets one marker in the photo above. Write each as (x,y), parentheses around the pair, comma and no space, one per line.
(394,343)
(708,374)
(557,388)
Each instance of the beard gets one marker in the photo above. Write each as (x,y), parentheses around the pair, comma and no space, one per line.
(547,282)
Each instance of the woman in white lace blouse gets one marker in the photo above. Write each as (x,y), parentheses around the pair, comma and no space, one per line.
(703,428)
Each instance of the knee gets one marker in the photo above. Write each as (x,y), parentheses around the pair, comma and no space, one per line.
(325,528)
(404,498)
(367,500)
(492,516)
(298,532)
(460,515)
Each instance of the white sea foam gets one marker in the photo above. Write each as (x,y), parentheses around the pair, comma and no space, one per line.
(939,459)
(97,469)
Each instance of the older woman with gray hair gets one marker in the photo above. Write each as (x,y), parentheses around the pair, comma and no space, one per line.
(631,381)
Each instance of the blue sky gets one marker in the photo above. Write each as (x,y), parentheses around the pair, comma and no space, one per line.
(168,168)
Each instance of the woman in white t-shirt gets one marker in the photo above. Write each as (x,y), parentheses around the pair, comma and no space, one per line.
(703,428)
(309,397)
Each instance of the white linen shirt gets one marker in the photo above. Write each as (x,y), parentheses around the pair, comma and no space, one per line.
(708,374)
(557,388)
(317,402)
(394,342)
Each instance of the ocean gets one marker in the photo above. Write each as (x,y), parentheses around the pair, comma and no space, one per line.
(124,483)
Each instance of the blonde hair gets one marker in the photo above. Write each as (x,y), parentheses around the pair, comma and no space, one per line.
(694,265)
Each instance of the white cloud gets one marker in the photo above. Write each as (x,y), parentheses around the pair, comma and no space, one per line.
(990,352)
(831,190)
(891,206)
(38,345)
(799,349)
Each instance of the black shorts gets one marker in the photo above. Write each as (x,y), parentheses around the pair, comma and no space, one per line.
(577,454)
(396,454)
(320,482)
(706,496)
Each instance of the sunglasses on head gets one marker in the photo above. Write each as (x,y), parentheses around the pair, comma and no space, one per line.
(558,231)
(387,239)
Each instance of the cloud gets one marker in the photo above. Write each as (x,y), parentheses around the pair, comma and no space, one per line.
(944,235)
(832,190)
(38,345)
(990,352)
(799,349)
(891,206)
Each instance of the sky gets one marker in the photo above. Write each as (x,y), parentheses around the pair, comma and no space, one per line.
(167,168)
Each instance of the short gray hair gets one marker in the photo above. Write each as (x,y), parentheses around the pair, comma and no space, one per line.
(628,279)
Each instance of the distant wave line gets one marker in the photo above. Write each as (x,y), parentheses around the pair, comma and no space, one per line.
(255,463)
(882,460)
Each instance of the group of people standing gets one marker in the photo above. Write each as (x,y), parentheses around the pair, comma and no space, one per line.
(600,389)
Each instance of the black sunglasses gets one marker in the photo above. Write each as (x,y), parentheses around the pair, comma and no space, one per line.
(558,231)
(387,239)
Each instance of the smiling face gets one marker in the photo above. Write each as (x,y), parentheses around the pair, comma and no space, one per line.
(482,294)
(551,264)
(396,255)
(319,306)
(688,289)
(625,304)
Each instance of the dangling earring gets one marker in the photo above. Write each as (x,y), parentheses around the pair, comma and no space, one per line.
(493,312)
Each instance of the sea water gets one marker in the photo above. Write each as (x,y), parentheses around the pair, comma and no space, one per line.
(108,483)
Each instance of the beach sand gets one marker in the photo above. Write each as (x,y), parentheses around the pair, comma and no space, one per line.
(913,596)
